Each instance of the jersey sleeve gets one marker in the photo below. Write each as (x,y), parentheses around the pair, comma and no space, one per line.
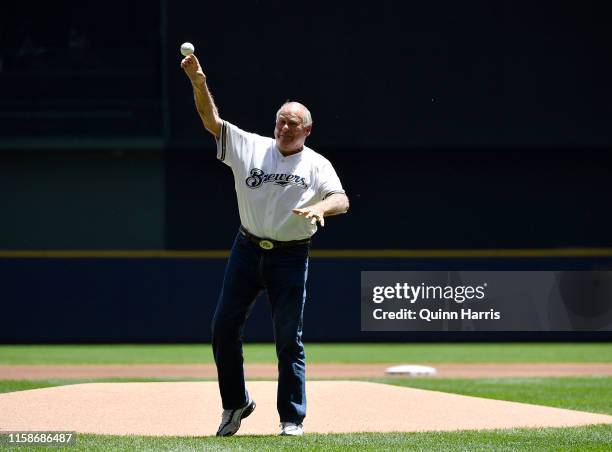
(329,182)
(234,144)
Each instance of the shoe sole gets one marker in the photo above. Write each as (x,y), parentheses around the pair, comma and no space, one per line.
(290,434)
(246,413)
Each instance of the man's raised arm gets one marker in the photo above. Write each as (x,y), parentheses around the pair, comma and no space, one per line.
(204,102)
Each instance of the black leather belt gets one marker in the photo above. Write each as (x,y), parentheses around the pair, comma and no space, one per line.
(268,244)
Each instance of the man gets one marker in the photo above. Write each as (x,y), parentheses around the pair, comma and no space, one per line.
(284,189)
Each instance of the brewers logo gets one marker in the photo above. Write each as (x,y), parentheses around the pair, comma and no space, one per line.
(257,178)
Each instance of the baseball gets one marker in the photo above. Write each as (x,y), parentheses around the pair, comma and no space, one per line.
(187,48)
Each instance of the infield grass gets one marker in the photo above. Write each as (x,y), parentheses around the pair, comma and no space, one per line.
(592,394)
(590,438)
(316,353)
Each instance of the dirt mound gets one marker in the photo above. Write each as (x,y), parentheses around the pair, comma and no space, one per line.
(194,408)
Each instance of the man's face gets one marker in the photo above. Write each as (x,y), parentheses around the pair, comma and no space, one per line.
(290,132)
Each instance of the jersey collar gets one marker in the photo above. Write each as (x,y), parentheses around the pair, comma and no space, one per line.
(281,156)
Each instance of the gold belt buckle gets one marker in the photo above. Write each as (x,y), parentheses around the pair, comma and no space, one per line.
(266,244)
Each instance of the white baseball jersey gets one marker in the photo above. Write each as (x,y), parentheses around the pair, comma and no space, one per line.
(268,184)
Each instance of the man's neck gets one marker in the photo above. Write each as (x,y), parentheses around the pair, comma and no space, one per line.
(291,152)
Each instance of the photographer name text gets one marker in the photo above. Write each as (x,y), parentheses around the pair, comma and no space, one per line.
(401,293)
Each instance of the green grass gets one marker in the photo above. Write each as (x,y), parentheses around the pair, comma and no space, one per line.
(590,438)
(592,394)
(316,353)
(25,385)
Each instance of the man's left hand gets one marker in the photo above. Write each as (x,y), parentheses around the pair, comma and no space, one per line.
(312,213)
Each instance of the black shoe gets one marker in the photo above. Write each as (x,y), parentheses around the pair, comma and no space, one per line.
(230,419)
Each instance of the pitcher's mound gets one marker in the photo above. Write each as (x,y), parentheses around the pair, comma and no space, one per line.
(194,409)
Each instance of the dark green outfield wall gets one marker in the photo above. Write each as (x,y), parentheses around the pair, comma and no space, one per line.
(184,200)
(422,199)
(173,300)
(81,200)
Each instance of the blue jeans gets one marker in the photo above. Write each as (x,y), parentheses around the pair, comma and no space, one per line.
(282,272)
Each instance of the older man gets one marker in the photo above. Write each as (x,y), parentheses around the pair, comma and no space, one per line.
(284,189)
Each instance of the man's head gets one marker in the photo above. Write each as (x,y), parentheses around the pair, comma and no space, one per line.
(293,125)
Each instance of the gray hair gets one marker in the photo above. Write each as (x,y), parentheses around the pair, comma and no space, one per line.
(306,118)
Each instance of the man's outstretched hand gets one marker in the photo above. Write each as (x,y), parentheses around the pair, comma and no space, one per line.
(192,68)
(312,213)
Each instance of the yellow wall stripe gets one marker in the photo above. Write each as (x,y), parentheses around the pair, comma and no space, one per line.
(330,254)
